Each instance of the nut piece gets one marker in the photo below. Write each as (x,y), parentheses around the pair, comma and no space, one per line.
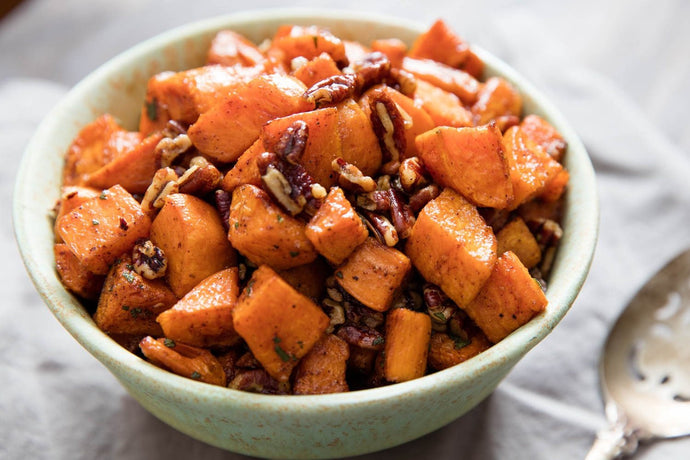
(333,89)
(293,141)
(258,381)
(374,68)
(200,178)
(389,126)
(170,148)
(403,81)
(362,336)
(149,261)
(412,174)
(401,215)
(384,231)
(378,200)
(163,184)
(279,188)
(351,178)
(423,196)
(439,306)
(223,199)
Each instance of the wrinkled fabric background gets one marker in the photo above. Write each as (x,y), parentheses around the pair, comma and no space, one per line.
(618,70)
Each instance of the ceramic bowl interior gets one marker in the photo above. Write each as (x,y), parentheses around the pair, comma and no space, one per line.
(279,426)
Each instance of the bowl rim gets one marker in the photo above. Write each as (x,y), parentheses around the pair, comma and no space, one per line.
(81,327)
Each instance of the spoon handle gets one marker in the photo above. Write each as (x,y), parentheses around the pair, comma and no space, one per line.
(613,442)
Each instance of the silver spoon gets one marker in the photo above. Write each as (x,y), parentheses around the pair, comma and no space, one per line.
(645,367)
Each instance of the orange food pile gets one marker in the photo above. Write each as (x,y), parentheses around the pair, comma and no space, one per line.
(315,215)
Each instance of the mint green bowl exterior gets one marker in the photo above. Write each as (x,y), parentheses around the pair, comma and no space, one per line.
(282,426)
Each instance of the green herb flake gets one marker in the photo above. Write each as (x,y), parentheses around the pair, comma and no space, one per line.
(378,341)
(103,195)
(276,339)
(460,342)
(128,276)
(300,343)
(248,289)
(195,375)
(125,307)
(135,312)
(152,109)
(339,274)
(280,218)
(281,354)
(95,222)
(170,343)
(440,316)
(129,267)
(237,225)
(294,253)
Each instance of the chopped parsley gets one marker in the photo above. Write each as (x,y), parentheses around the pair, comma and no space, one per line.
(125,307)
(280,218)
(103,195)
(170,343)
(276,339)
(281,353)
(152,109)
(128,276)
(440,316)
(195,375)
(135,312)
(294,253)
(378,341)
(95,222)
(460,342)
(237,225)
(339,274)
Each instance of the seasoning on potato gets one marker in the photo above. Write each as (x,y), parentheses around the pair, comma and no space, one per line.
(315,215)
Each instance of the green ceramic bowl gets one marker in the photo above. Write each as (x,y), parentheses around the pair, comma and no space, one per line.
(281,426)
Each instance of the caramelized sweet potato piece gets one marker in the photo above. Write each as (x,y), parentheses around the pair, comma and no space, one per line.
(72,196)
(308,279)
(323,142)
(470,161)
(544,135)
(133,169)
(191,234)
(355,51)
(317,69)
(446,351)
(336,229)
(394,49)
(496,98)
(441,44)
(74,275)
(373,273)
(191,362)
(452,247)
(553,190)
(293,41)
(516,237)
(245,170)
(455,81)
(360,146)
(203,317)
(230,48)
(509,299)
(102,228)
(230,127)
(444,108)
(279,324)
(264,233)
(407,344)
(322,370)
(129,303)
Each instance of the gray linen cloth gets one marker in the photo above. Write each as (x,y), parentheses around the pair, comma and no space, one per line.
(619,71)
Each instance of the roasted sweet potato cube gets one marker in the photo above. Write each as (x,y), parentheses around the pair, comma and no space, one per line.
(407,344)
(245,170)
(102,228)
(74,275)
(133,169)
(185,360)
(97,143)
(317,69)
(496,98)
(322,370)
(470,161)
(441,44)
(360,146)
(516,237)
(355,51)
(452,247)
(323,142)
(455,81)
(444,108)
(230,48)
(509,299)
(394,49)
(129,303)
(279,324)
(336,229)
(266,234)
(554,189)
(203,317)
(308,279)
(230,127)
(293,41)
(373,273)
(531,168)
(192,236)
(544,135)
(446,351)
(72,196)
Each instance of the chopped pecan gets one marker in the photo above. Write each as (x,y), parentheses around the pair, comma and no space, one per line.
(438,305)
(169,148)
(258,381)
(403,81)
(361,336)
(389,126)
(335,312)
(200,178)
(333,89)
(149,260)
(412,174)
(173,128)
(293,141)
(223,199)
(402,216)
(422,196)
(163,184)
(289,184)
(382,228)
(374,68)
(356,313)
(351,178)
(378,200)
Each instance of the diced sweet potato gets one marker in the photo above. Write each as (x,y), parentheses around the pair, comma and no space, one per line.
(446,351)
(317,69)
(308,279)
(441,44)
(133,169)
(129,303)
(355,51)
(192,236)
(407,344)
(102,228)
(394,49)
(232,126)
(293,41)
(187,361)
(264,233)
(336,229)
(496,98)
(455,81)
(323,142)
(245,170)
(544,135)
(322,370)
(373,273)
(531,168)
(97,143)
(470,161)
(452,247)
(516,237)
(74,275)
(509,299)
(537,210)
(444,108)
(360,146)
(72,196)
(279,324)
(553,190)
(203,317)
(230,48)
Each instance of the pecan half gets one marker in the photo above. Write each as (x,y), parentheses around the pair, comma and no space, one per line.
(402,216)
(438,305)
(422,196)
(412,174)
(333,89)
(169,148)
(258,381)
(378,200)
(200,178)
(389,126)
(223,200)
(149,260)
(289,184)
(163,184)
(374,68)
(381,227)
(293,141)
(403,81)
(361,336)
(351,178)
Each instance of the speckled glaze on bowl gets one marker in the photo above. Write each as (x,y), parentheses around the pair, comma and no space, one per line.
(282,426)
